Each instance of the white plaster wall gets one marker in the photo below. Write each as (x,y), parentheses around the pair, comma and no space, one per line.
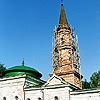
(11,87)
(86,96)
(61,93)
(48,94)
(14,86)
(33,94)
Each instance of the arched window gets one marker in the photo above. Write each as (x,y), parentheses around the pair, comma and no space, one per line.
(39,98)
(28,98)
(4,98)
(55,98)
(16,97)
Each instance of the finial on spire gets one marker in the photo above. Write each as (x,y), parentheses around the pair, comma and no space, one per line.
(63,20)
(61,1)
(23,62)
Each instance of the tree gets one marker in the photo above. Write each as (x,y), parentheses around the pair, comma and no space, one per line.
(85,84)
(2,69)
(95,80)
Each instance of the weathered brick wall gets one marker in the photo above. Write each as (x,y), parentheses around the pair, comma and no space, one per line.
(71,78)
(77,81)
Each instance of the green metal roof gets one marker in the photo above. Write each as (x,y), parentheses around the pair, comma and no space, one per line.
(20,70)
(32,82)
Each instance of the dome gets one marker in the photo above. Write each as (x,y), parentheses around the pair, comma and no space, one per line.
(21,70)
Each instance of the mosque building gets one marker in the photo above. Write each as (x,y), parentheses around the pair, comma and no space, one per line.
(25,83)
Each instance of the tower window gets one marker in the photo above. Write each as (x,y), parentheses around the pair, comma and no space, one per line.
(55,98)
(4,98)
(16,97)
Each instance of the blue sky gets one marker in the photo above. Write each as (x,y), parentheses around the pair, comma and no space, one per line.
(26,31)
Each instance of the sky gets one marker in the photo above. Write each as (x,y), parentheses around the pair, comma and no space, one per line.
(26,31)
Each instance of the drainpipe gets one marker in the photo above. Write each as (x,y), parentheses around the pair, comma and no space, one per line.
(68,94)
(24,86)
(42,94)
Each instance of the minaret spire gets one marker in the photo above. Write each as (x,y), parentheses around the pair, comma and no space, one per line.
(65,53)
(63,20)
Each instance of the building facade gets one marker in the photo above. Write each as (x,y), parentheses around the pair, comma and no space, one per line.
(25,83)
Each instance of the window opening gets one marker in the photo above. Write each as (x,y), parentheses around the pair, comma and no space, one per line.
(16,97)
(39,98)
(4,98)
(28,98)
(56,98)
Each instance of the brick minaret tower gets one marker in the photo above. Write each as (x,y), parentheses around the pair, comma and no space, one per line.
(65,53)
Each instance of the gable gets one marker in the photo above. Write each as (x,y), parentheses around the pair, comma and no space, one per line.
(54,81)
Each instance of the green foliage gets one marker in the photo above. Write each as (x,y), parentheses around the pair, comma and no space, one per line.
(85,84)
(2,69)
(95,80)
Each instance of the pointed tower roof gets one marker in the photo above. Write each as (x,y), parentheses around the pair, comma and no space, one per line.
(63,20)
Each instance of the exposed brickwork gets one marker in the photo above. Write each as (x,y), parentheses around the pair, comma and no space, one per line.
(66,63)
